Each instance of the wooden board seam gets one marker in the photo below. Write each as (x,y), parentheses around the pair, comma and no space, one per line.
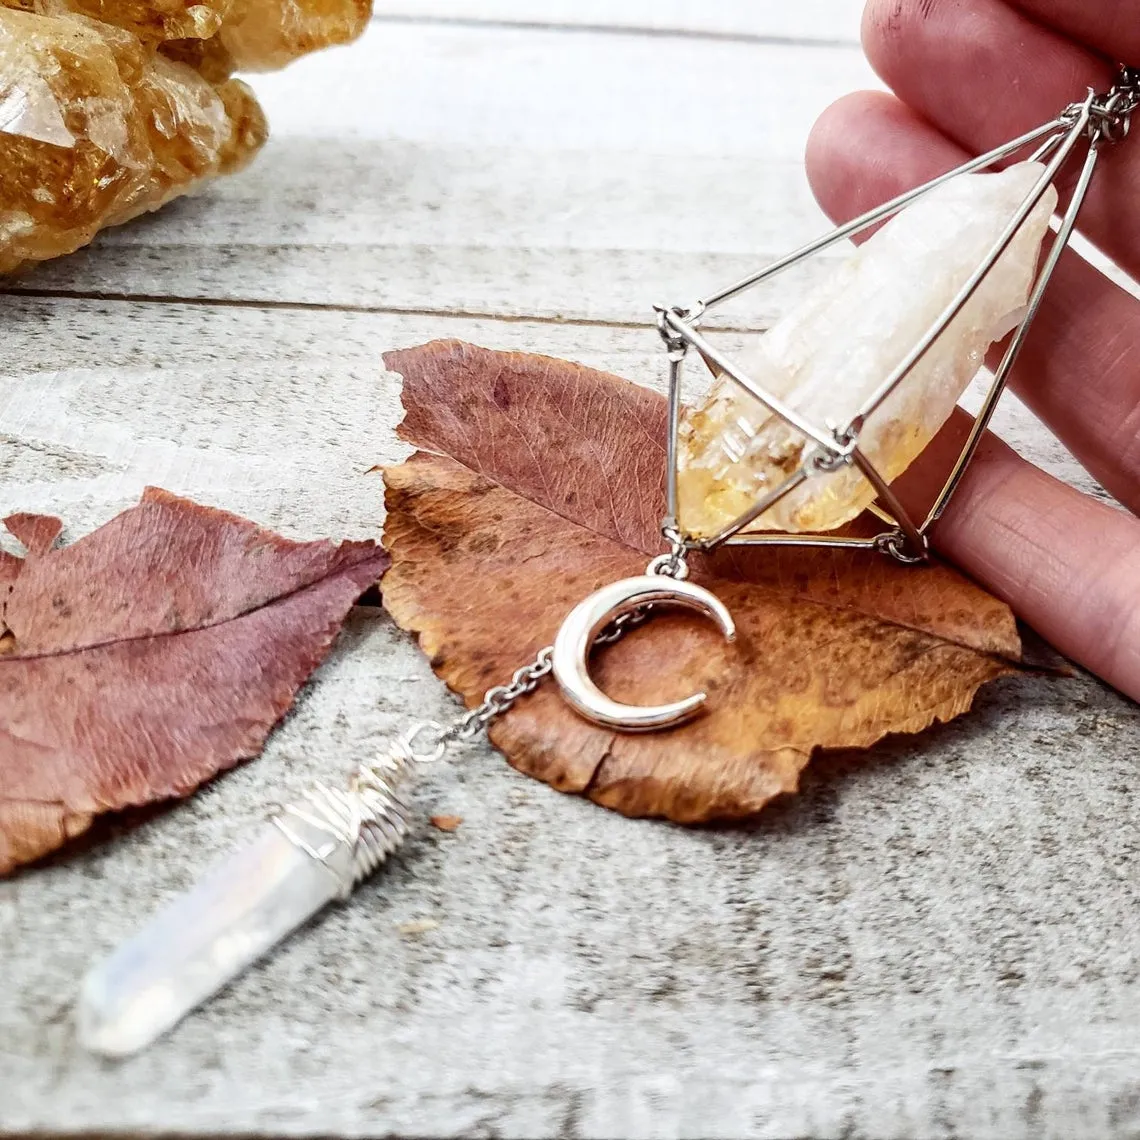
(328,307)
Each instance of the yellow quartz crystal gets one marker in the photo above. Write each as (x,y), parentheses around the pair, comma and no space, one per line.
(260,35)
(153,21)
(109,108)
(96,129)
(833,350)
(223,36)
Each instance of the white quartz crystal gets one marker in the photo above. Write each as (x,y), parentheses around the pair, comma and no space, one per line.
(242,907)
(828,355)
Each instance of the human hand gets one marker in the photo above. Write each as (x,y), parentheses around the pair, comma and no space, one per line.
(969,75)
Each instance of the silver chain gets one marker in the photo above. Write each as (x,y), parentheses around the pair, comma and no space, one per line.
(427,741)
(621,625)
(499,698)
(1112,112)
(673,564)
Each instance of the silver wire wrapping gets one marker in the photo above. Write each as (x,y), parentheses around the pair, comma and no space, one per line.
(352,831)
(1098,121)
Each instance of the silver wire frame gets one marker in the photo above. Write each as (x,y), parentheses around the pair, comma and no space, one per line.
(834,448)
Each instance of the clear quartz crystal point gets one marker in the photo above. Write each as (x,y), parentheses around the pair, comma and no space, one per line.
(827,356)
(243,907)
(314,852)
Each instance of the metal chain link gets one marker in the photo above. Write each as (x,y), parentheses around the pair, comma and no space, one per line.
(427,741)
(675,344)
(499,698)
(896,544)
(673,564)
(621,625)
(1112,112)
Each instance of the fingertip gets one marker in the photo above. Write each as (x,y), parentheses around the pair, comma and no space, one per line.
(834,147)
(981,69)
(867,148)
(897,34)
(883,23)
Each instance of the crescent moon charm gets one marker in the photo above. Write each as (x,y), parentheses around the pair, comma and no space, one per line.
(575,640)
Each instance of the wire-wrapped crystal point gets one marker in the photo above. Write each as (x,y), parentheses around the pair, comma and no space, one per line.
(249,901)
(315,851)
(825,358)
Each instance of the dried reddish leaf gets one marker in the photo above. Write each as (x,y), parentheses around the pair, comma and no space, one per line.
(150,655)
(539,481)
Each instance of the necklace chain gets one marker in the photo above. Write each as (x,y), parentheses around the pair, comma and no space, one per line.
(1112,112)
(499,698)
(427,741)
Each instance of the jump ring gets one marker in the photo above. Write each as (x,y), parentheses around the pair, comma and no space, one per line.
(670,565)
(435,750)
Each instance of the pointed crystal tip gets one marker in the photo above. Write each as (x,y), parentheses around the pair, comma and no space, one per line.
(118,1028)
(248,903)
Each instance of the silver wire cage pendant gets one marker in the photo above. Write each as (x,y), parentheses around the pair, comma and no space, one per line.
(1087,126)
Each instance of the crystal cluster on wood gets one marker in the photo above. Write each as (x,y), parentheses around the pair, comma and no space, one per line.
(110,108)
(827,356)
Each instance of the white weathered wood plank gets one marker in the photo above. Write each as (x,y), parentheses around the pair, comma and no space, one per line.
(274,414)
(557,176)
(431,230)
(806,19)
(471,86)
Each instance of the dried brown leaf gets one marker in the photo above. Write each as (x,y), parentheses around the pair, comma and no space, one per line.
(150,655)
(538,481)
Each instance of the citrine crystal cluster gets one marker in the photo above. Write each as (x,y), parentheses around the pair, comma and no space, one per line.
(832,352)
(110,108)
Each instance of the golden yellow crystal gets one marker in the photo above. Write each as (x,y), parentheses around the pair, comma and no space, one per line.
(223,36)
(153,21)
(827,356)
(260,35)
(95,129)
(110,108)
